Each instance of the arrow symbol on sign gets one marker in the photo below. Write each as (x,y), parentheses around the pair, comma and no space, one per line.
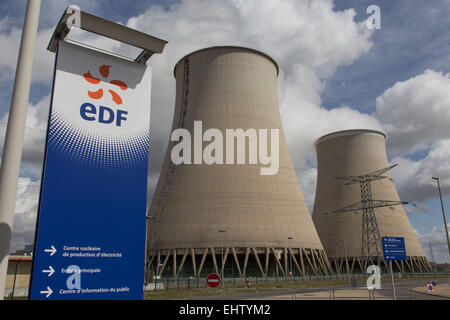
(48,292)
(52,250)
(50,271)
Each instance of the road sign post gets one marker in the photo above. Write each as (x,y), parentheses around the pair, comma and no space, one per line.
(213,281)
(392,280)
(393,249)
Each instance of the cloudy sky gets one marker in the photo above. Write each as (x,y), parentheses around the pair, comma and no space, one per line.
(335,74)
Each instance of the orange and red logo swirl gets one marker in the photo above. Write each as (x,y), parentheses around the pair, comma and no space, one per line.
(104,71)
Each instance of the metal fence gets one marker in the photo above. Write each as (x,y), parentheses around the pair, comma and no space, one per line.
(200,282)
(171,283)
(351,287)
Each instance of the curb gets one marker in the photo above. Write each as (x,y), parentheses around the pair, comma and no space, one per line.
(431,294)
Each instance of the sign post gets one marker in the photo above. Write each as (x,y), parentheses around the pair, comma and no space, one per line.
(213,280)
(90,232)
(393,249)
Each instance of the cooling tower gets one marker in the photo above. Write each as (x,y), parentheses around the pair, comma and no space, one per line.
(353,153)
(201,213)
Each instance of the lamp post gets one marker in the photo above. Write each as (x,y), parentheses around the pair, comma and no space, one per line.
(345,249)
(147,229)
(290,258)
(443,213)
(223,232)
(336,261)
(146,266)
(15,131)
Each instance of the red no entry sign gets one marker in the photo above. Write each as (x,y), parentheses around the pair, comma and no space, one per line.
(213,280)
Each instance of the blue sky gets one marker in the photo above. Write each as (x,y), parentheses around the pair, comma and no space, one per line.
(408,43)
(357,78)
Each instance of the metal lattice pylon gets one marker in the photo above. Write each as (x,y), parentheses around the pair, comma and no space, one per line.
(371,238)
(370,233)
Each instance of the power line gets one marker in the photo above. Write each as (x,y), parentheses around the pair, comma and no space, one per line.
(37,130)
(28,197)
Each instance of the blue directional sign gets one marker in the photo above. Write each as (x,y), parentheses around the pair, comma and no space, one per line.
(394,248)
(90,234)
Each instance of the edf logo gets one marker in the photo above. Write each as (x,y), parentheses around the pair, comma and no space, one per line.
(103,114)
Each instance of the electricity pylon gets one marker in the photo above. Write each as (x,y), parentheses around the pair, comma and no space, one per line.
(371,238)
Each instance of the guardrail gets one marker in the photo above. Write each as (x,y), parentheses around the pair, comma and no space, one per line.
(222,292)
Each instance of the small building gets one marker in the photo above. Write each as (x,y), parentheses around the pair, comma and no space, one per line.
(18,276)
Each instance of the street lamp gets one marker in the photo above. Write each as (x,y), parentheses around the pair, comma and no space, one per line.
(12,147)
(345,249)
(147,218)
(223,232)
(443,213)
(290,258)
(338,269)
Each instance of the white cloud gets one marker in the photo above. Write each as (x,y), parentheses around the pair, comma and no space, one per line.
(416,112)
(308,183)
(10,36)
(10,43)
(438,242)
(44,60)
(34,139)
(413,177)
(25,214)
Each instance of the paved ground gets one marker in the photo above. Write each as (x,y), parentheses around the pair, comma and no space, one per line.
(402,289)
(441,290)
(405,290)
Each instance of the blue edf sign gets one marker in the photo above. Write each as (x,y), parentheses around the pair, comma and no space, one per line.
(90,230)
(394,248)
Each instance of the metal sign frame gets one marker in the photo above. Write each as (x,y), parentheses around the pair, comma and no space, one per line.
(394,248)
(109,29)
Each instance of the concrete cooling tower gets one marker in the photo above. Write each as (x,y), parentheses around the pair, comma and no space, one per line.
(359,155)
(202,213)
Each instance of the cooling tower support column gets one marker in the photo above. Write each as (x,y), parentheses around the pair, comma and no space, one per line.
(304,261)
